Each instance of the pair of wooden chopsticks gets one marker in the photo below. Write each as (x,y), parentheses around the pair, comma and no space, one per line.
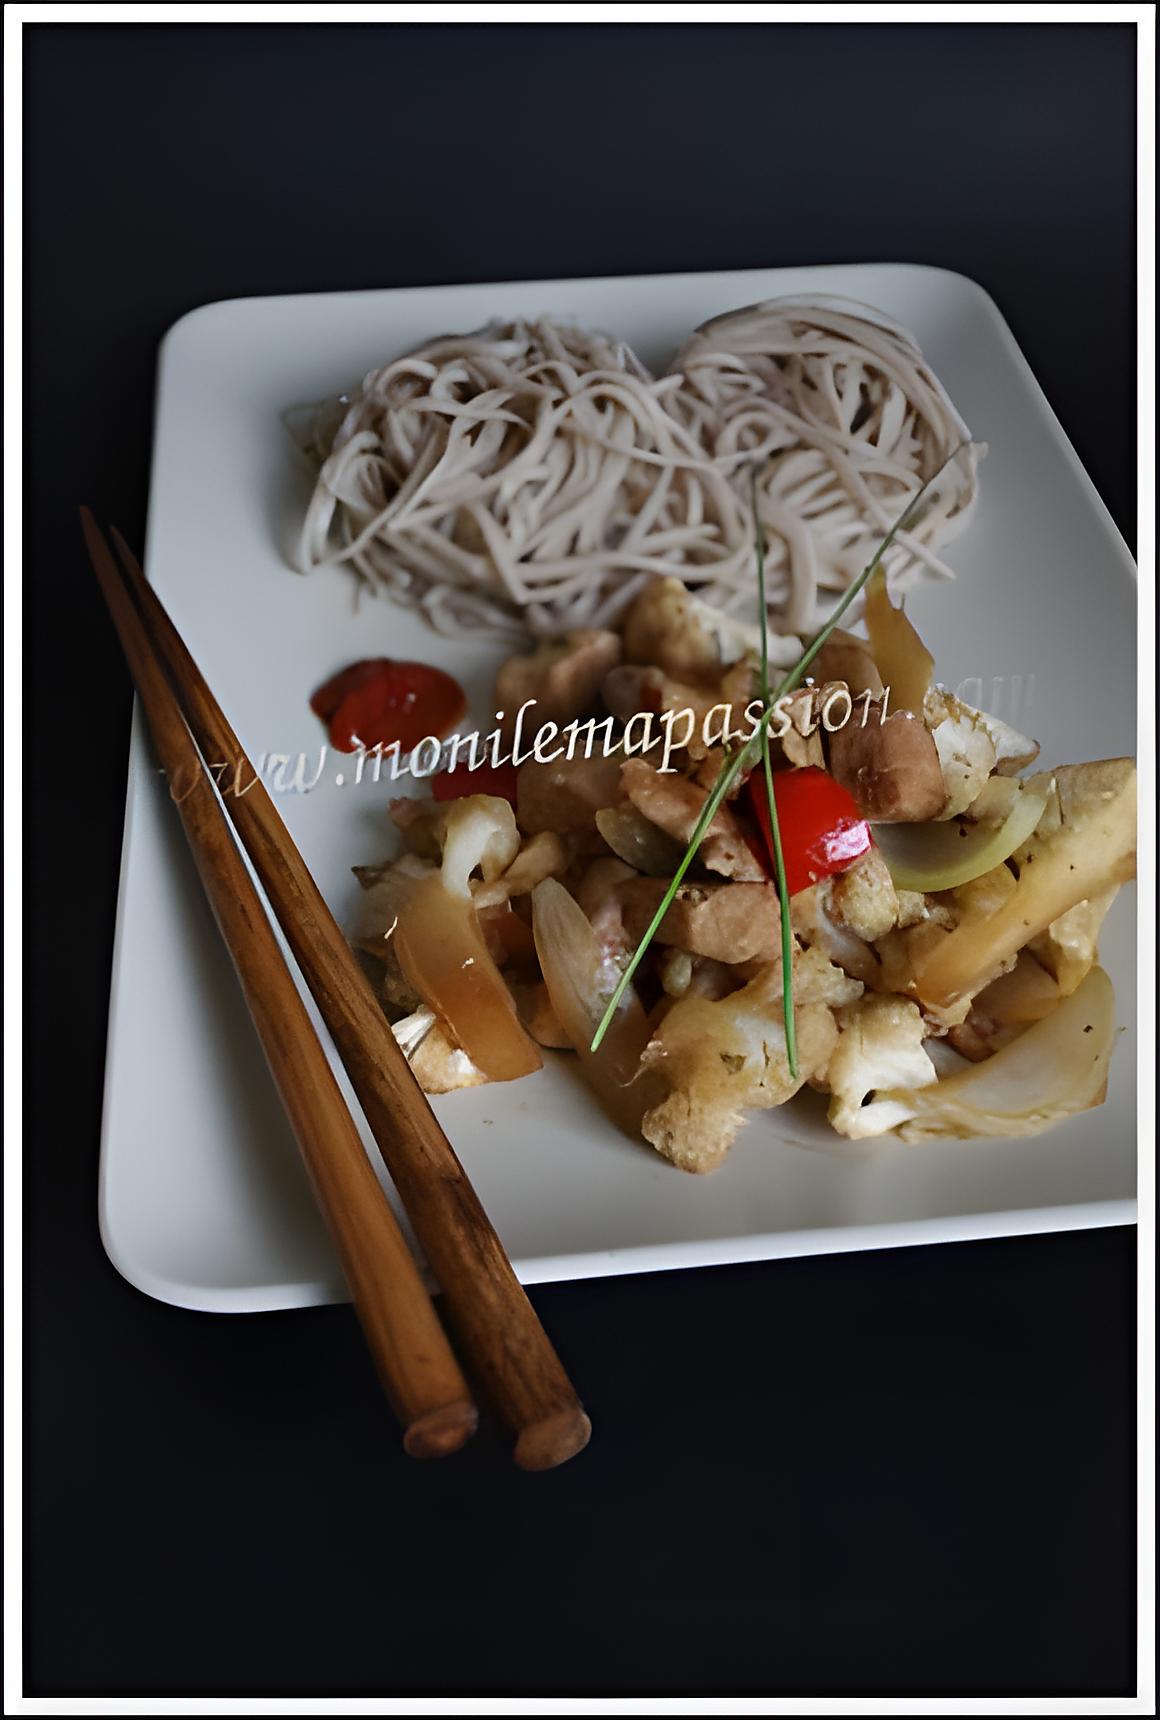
(498,1333)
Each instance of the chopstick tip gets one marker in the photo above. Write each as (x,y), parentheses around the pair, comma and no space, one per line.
(443,1431)
(547,1444)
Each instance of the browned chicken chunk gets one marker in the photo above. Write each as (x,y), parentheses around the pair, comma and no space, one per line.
(563,676)
(565,797)
(728,922)
(892,769)
(674,804)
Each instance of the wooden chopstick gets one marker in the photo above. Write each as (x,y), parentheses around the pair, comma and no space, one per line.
(410,1349)
(499,1333)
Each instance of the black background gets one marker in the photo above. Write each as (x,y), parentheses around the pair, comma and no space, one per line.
(899,1472)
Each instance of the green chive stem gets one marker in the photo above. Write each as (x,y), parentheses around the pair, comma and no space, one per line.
(771,801)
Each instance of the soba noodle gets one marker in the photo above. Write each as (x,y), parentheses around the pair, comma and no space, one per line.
(532,477)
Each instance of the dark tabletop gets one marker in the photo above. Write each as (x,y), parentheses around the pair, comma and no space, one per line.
(899,1472)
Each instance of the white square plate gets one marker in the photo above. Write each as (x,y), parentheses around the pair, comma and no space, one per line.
(202,1199)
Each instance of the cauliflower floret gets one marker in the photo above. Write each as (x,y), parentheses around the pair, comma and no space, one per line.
(880,1046)
(816,926)
(542,856)
(720,1058)
(970,745)
(479,833)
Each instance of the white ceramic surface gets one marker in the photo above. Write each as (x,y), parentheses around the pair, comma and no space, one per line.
(202,1200)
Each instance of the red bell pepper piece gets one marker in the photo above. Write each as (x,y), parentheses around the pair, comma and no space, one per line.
(822,831)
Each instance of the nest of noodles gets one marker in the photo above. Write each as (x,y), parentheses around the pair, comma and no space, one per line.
(533,476)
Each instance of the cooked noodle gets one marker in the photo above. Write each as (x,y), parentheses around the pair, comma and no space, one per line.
(533,476)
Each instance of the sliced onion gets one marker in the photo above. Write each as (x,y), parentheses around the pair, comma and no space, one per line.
(576,974)
(903,661)
(941,856)
(1025,994)
(443,954)
(1055,1069)
(634,839)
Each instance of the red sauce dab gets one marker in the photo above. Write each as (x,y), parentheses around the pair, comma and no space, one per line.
(380,701)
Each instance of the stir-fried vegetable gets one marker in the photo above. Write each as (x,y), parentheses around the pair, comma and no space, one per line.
(442,950)
(901,658)
(941,856)
(576,973)
(1085,841)
(1056,1068)
(822,831)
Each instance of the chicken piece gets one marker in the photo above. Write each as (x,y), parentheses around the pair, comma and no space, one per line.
(437,1064)
(891,768)
(674,804)
(728,922)
(564,797)
(880,1046)
(720,1059)
(562,675)
(715,710)
(863,897)
(845,657)
(1068,948)
(691,640)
